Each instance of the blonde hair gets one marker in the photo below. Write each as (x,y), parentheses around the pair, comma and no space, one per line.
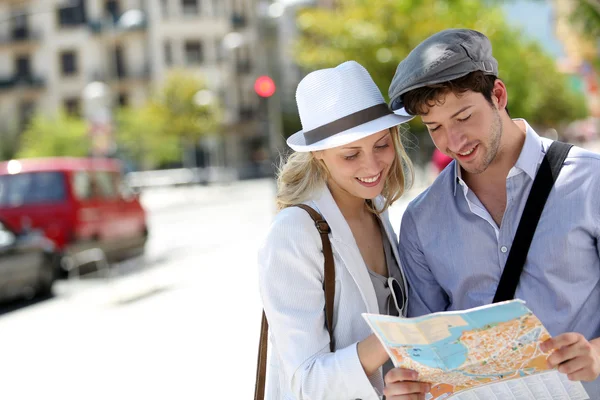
(302,174)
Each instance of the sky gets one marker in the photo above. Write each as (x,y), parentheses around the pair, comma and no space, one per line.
(535,17)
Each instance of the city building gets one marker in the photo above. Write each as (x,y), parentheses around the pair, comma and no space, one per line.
(55,48)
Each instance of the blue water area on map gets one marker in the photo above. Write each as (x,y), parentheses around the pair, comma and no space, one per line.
(452,352)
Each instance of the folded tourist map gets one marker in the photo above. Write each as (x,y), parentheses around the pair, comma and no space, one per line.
(490,352)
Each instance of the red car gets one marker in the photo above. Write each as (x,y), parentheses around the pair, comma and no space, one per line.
(79,203)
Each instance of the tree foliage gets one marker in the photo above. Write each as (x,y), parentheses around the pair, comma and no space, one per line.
(379,37)
(187,115)
(60,135)
(140,135)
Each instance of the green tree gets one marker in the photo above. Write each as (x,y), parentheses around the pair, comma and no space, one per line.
(188,107)
(586,16)
(9,144)
(140,135)
(60,135)
(380,37)
(585,19)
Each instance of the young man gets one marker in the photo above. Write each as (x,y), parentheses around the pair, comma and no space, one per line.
(456,236)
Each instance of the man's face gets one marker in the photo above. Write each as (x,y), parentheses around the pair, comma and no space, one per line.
(467,128)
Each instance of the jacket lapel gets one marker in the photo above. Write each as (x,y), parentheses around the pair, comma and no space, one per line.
(343,240)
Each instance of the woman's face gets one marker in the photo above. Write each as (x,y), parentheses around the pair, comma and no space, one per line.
(360,168)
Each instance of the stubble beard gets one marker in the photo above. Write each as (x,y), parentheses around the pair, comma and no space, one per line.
(495,134)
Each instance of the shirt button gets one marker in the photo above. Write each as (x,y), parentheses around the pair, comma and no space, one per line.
(504,249)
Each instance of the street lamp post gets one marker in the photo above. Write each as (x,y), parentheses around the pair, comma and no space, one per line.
(97,106)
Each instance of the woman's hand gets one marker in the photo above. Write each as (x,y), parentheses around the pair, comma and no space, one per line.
(402,384)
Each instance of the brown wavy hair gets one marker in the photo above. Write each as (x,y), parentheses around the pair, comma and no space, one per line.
(419,101)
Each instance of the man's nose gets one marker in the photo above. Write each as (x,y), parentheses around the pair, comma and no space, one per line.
(456,139)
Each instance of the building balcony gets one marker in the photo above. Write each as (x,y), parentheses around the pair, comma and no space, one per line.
(21,38)
(27,81)
(129,21)
(24,86)
(124,77)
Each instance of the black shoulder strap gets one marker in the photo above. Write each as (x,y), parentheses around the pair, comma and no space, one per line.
(540,190)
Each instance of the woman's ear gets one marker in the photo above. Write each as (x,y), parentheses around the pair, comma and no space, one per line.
(318,154)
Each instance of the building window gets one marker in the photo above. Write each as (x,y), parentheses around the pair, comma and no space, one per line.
(123,100)
(68,63)
(168,53)
(193,52)
(120,69)
(112,10)
(23,67)
(72,15)
(19,26)
(190,7)
(71,106)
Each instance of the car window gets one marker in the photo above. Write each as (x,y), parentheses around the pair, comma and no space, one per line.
(82,185)
(32,188)
(106,185)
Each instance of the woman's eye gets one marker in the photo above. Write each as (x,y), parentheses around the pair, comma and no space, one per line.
(352,157)
(383,146)
(464,119)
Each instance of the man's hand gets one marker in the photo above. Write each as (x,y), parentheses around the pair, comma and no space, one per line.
(401,384)
(574,356)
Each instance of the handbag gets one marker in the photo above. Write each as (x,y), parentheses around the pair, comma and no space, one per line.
(328,287)
(540,190)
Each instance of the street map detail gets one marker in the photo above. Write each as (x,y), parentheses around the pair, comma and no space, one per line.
(458,351)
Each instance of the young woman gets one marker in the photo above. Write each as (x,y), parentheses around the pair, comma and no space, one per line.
(349,165)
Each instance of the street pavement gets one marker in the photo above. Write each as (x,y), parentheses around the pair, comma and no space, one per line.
(180,323)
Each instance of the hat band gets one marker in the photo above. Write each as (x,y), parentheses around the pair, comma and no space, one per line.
(345,123)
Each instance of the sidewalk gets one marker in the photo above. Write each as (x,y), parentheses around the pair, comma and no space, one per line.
(164,198)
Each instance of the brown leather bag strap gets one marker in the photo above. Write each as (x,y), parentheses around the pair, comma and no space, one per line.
(329,269)
(261,364)
(328,287)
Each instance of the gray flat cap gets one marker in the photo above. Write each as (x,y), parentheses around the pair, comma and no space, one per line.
(447,55)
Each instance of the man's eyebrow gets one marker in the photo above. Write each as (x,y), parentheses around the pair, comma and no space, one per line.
(452,116)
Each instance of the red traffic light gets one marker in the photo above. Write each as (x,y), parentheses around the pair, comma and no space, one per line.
(264,86)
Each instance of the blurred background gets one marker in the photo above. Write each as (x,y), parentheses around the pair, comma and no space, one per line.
(138,140)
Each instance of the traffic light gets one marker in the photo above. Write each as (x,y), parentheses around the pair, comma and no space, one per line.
(264,86)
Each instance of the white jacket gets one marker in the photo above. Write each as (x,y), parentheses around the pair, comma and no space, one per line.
(291,263)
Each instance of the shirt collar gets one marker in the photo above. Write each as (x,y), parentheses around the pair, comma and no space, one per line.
(528,160)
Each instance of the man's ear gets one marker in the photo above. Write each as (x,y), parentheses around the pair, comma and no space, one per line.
(499,94)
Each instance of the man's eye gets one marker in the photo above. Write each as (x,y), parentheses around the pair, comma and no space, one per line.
(464,119)
(434,129)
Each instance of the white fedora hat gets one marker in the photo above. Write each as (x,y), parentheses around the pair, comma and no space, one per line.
(338,106)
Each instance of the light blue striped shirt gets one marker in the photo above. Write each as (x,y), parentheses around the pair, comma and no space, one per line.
(454,253)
